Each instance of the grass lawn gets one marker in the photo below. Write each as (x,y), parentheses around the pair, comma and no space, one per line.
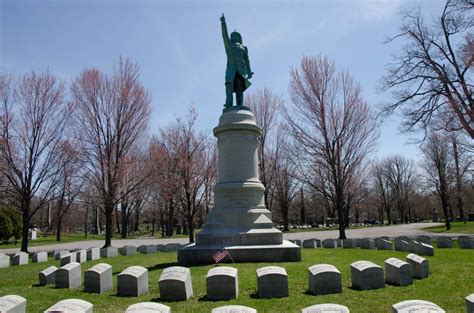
(456,227)
(450,280)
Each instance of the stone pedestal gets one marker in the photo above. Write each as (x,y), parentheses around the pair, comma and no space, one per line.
(239,222)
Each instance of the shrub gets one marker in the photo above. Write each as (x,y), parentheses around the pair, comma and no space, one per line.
(6,227)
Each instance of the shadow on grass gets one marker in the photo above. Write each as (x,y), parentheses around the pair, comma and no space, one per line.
(206,299)
(36,285)
(161,300)
(161,266)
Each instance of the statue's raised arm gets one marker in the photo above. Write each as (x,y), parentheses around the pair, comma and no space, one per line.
(225,34)
(238,72)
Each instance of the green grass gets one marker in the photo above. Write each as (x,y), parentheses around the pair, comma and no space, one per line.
(449,282)
(456,227)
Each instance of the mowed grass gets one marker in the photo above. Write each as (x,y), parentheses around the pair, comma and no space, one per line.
(451,280)
(456,227)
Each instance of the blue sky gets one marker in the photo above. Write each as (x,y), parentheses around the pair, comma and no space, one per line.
(179,49)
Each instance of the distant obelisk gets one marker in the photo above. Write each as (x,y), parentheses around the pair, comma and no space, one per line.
(239,223)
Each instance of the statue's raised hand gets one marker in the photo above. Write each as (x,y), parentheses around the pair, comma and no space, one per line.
(222,18)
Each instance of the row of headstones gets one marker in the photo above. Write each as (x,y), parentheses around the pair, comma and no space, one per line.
(422,245)
(222,282)
(81,255)
(17,304)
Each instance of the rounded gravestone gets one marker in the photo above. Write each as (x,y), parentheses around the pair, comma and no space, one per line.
(71,306)
(68,276)
(93,254)
(4,260)
(329,243)
(12,304)
(128,250)
(47,276)
(132,282)
(444,243)
(98,279)
(411,306)
(222,283)
(39,257)
(175,284)
(366,275)
(20,258)
(234,309)
(272,282)
(398,272)
(324,279)
(469,303)
(326,308)
(419,264)
(148,307)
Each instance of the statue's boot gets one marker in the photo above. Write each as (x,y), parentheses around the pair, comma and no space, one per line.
(239,98)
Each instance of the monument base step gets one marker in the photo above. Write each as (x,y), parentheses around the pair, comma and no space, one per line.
(285,252)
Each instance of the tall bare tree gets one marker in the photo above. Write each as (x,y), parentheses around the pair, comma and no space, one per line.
(438,168)
(432,75)
(383,188)
(266,106)
(34,115)
(401,175)
(113,114)
(333,127)
(69,183)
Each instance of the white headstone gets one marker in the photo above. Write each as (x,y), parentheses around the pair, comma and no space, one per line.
(58,254)
(39,257)
(383,244)
(311,243)
(12,304)
(366,275)
(425,249)
(444,242)
(81,256)
(411,306)
(424,239)
(98,279)
(4,260)
(109,252)
(349,244)
(71,306)
(272,282)
(367,244)
(466,242)
(414,246)
(148,307)
(329,243)
(20,258)
(68,258)
(470,303)
(326,308)
(402,245)
(233,309)
(93,254)
(175,284)
(222,283)
(69,276)
(133,281)
(324,279)
(128,250)
(398,272)
(420,266)
(47,276)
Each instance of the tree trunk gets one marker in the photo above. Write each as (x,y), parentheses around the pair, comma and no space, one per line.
(109,210)
(190,229)
(26,228)
(284,213)
(117,219)
(58,228)
(340,214)
(123,232)
(153,222)
(303,209)
(169,228)
(86,229)
(136,226)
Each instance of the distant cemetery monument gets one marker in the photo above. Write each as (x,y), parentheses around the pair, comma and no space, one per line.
(239,223)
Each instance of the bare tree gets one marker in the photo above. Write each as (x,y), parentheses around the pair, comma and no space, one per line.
(438,168)
(401,175)
(113,116)
(34,115)
(69,183)
(265,105)
(383,188)
(333,127)
(285,179)
(432,75)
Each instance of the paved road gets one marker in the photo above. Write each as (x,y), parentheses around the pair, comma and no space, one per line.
(410,230)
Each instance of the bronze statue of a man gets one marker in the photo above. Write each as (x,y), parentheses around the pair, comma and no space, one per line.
(238,70)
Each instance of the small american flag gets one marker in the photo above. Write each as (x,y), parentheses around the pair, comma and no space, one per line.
(220,255)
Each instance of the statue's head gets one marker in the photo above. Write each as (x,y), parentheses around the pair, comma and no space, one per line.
(235,37)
